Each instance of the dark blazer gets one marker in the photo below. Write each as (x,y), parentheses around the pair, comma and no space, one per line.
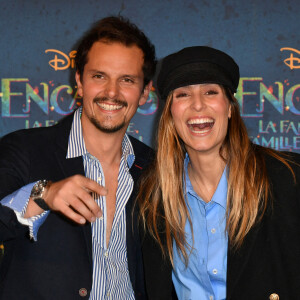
(59,264)
(268,261)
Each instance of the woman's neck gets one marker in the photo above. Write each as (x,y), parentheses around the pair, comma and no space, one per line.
(205,172)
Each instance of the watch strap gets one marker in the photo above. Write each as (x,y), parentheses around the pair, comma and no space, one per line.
(41,203)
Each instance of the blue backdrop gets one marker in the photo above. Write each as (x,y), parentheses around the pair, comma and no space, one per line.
(38,39)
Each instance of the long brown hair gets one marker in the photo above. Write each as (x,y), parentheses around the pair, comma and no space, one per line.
(161,198)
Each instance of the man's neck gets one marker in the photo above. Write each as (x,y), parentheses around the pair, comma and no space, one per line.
(106,147)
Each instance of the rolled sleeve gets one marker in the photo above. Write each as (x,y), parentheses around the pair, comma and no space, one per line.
(18,201)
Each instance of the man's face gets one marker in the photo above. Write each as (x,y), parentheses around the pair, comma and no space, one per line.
(111,86)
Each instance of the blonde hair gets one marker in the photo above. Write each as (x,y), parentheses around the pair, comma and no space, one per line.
(161,198)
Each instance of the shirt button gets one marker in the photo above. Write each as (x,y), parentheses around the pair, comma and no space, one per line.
(211,297)
(101,218)
(106,254)
(215,271)
(213,230)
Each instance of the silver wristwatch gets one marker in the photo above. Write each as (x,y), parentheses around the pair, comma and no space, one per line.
(38,192)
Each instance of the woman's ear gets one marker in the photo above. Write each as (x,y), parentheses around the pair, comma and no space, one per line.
(229,112)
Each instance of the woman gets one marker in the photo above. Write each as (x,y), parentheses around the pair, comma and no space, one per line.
(225,213)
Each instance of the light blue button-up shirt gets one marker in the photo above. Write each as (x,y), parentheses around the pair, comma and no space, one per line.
(205,275)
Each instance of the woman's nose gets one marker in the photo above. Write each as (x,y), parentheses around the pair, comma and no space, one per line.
(198,101)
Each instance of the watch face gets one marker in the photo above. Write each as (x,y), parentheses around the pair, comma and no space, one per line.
(35,191)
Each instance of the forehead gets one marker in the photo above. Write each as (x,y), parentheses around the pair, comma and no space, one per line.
(115,55)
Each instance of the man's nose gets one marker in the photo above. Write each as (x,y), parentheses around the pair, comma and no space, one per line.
(111,89)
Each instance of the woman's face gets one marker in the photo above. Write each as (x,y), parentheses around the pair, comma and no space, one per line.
(200,113)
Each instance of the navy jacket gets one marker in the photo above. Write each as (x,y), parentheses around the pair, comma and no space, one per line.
(268,261)
(59,264)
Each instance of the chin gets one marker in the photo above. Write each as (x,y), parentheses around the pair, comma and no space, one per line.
(111,128)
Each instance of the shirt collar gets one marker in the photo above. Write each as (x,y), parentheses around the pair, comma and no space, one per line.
(220,195)
(76,145)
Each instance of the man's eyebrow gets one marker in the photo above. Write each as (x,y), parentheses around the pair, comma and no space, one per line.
(96,71)
(130,75)
(122,75)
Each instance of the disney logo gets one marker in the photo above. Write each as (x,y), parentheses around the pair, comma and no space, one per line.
(292,62)
(62,61)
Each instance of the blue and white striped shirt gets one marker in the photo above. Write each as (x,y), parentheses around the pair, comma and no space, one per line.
(110,267)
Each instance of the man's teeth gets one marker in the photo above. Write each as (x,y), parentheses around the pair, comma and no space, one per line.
(106,106)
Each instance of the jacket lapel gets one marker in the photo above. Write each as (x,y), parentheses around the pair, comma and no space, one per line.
(132,237)
(134,251)
(70,167)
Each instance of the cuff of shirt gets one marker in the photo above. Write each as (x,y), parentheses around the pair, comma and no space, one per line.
(34,223)
(17,201)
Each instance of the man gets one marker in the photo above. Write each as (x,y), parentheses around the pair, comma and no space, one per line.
(67,222)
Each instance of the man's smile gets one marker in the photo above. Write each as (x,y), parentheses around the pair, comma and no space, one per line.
(109,107)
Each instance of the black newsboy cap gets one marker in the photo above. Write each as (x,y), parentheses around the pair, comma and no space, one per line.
(194,65)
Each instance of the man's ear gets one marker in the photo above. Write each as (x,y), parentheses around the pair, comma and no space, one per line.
(145,93)
(79,85)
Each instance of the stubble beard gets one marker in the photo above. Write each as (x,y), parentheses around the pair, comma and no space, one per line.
(106,129)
